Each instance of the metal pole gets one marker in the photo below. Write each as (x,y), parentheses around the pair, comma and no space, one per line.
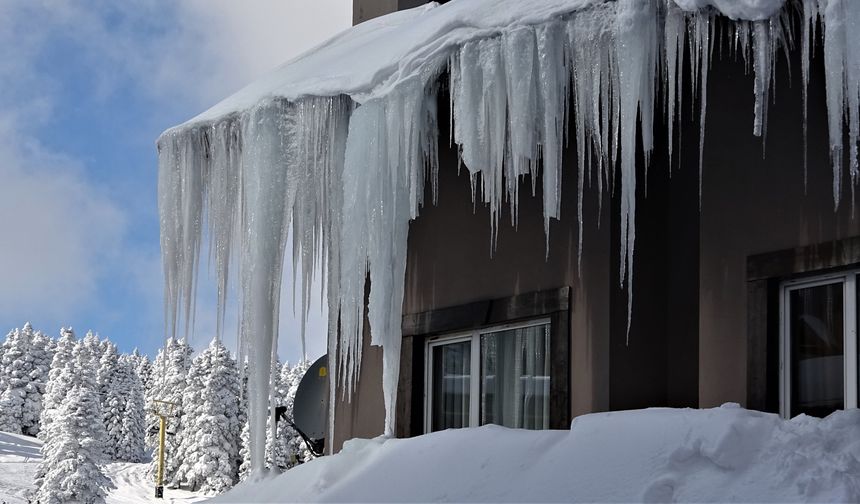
(159,485)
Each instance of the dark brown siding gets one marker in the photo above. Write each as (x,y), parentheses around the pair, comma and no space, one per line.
(363,414)
(753,205)
(450,264)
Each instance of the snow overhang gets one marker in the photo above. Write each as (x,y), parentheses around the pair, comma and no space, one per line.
(370,59)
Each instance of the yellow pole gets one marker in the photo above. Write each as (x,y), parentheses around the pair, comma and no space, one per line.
(159,487)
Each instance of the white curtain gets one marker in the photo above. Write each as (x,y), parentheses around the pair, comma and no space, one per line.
(515,378)
(451,385)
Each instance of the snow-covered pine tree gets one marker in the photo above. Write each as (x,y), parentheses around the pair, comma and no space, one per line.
(245,450)
(15,368)
(92,350)
(170,387)
(244,444)
(244,460)
(11,405)
(72,451)
(42,353)
(56,389)
(210,440)
(7,343)
(153,391)
(106,369)
(143,368)
(278,450)
(192,403)
(112,395)
(103,345)
(298,451)
(127,396)
(61,377)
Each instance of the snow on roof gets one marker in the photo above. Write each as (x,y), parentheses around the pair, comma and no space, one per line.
(725,454)
(370,59)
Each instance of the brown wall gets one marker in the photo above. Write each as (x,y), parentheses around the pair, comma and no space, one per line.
(362,414)
(449,264)
(753,205)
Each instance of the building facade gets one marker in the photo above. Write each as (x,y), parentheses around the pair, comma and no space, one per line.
(744,292)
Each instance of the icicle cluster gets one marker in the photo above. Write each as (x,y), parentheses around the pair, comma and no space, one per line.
(253,178)
(345,180)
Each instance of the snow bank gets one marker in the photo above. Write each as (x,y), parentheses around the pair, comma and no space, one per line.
(335,147)
(725,454)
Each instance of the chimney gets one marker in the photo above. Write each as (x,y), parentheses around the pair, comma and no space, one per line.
(362,10)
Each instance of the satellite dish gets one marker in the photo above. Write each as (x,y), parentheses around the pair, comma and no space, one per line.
(310,409)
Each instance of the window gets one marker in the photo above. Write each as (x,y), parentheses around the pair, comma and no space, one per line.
(818,344)
(497,375)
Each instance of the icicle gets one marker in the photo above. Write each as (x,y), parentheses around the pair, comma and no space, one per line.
(835,42)
(674,32)
(810,21)
(181,188)
(762,63)
(636,53)
(387,150)
(554,78)
(518,48)
(224,144)
(479,105)
(267,158)
(585,109)
(592,46)
(702,36)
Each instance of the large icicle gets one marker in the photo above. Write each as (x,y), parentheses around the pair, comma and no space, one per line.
(270,152)
(637,66)
(391,142)
(842,64)
(810,23)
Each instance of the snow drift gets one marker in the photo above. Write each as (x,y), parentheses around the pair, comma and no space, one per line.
(335,147)
(725,454)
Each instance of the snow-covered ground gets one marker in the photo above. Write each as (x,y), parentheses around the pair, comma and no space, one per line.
(657,455)
(133,486)
(19,457)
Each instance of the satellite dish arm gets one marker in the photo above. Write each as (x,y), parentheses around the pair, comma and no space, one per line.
(316,446)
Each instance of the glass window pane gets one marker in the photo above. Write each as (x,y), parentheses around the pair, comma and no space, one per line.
(515,378)
(816,323)
(451,385)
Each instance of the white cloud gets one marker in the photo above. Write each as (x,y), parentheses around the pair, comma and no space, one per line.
(58,231)
(195,51)
(179,55)
(243,40)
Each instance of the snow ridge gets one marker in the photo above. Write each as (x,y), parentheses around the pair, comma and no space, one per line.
(725,454)
(344,172)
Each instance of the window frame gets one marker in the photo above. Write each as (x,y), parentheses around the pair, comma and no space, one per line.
(849,280)
(474,336)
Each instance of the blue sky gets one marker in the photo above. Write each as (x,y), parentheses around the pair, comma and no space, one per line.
(85,89)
